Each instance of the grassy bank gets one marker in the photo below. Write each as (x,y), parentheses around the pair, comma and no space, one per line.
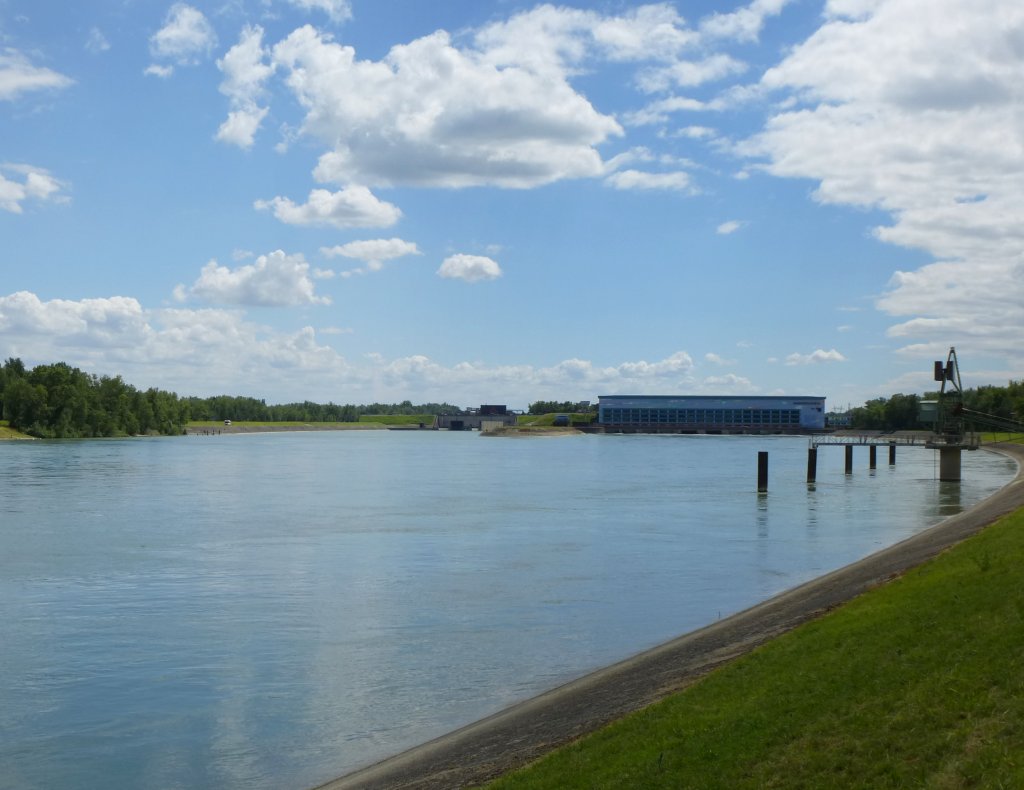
(1012,438)
(7,432)
(398,419)
(543,420)
(253,425)
(919,683)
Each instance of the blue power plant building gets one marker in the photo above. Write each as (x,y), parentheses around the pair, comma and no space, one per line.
(711,413)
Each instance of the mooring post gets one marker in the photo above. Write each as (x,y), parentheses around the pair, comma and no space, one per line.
(892,453)
(762,471)
(812,464)
(872,457)
(849,459)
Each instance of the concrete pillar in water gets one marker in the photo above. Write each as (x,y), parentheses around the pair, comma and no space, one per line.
(892,453)
(762,471)
(849,459)
(812,464)
(949,464)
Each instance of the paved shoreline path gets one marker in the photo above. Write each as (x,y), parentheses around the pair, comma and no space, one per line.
(524,732)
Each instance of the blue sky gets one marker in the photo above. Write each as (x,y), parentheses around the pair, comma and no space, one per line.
(506,201)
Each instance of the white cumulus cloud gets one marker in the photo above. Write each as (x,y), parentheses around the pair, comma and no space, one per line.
(24,183)
(245,73)
(156,70)
(432,114)
(638,179)
(373,252)
(213,350)
(217,351)
(743,24)
(816,357)
(336,10)
(352,207)
(186,37)
(687,74)
(471,268)
(273,280)
(729,384)
(18,75)
(916,107)
(373,249)
(101,323)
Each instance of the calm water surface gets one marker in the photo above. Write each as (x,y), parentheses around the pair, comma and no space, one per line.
(276,610)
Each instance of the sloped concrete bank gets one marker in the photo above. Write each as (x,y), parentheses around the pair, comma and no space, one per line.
(518,735)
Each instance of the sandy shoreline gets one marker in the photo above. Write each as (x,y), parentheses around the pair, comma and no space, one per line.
(520,734)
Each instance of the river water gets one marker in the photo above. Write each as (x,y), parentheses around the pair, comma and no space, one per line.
(274,610)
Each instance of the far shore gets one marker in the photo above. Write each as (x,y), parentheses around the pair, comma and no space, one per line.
(208,427)
(516,736)
(212,428)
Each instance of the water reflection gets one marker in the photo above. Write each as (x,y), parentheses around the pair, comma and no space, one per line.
(762,516)
(272,611)
(950,498)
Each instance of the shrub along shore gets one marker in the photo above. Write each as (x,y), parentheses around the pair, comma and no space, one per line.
(903,669)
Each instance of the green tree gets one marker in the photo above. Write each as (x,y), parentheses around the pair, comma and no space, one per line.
(900,412)
(24,404)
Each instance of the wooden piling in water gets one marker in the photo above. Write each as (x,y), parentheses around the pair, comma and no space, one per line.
(812,464)
(762,471)
(872,457)
(849,459)
(892,453)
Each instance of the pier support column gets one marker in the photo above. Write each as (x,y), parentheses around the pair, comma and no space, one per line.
(872,457)
(892,453)
(812,464)
(949,464)
(762,472)
(849,459)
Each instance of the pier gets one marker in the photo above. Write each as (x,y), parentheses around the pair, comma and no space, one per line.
(949,448)
(902,439)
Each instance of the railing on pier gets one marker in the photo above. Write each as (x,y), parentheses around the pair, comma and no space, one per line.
(969,441)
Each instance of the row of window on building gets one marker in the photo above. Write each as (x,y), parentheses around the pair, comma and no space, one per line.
(718,417)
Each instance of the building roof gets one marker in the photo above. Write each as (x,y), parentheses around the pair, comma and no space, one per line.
(719,397)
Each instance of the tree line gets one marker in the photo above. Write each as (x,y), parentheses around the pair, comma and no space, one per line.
(62,402)
(563,406)
(901,412)
(230,407)
(59,401)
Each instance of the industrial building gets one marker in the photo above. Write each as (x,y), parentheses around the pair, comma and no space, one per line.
(476,419)
(710,413)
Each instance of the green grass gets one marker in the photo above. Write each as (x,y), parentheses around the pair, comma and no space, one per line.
(398,419)
(6,432)
(919,683)
(544,420)
(260,423)
(1016,438)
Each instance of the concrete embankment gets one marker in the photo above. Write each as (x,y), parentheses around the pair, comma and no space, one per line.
(524,732)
